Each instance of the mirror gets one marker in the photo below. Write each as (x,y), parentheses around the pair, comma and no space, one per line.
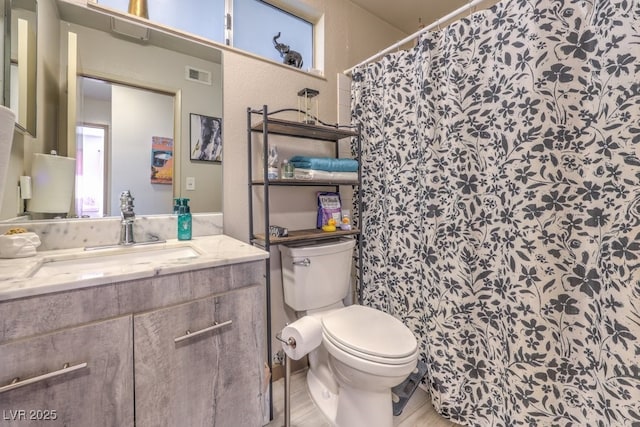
(23,63)
(148,59)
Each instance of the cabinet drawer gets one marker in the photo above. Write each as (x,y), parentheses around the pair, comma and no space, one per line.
(211,375)
(98,394)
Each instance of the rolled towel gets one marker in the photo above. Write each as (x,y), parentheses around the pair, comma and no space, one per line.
(328,164)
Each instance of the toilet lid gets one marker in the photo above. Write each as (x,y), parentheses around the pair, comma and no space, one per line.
(369,332)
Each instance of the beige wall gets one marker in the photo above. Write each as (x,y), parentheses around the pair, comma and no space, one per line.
(131,136)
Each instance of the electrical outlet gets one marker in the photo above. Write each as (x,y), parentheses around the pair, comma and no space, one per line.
(191,183)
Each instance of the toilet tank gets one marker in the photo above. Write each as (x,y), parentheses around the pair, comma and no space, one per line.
(316,275)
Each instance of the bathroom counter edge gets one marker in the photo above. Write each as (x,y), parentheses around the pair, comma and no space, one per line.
(215,250)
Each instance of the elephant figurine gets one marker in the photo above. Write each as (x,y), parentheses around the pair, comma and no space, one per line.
(291,57)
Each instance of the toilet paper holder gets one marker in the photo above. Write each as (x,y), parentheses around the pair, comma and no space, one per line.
(291,342)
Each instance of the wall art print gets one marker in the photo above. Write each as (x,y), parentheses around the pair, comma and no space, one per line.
(161,160)
(205,137)
(501,222)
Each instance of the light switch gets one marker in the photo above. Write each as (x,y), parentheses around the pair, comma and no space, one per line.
(191,183)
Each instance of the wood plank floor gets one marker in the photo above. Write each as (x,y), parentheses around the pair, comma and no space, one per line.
(417,413)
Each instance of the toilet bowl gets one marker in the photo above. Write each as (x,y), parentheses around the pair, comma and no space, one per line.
(364,352)
(369,353)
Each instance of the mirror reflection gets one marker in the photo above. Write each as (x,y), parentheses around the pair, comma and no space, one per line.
(23,63)
(153,63)
(124,141)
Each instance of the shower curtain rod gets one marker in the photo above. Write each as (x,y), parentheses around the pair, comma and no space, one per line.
(436,23)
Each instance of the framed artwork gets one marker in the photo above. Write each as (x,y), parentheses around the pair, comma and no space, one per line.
(161,160)
(205,138)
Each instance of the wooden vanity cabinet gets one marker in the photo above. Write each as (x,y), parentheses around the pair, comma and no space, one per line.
(195,362)
(126,334)
(95,389)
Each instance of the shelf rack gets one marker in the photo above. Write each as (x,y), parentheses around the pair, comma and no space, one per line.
(269,125)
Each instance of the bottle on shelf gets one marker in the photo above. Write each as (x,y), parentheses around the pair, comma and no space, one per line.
(272,163)
(346,220)
(287,170)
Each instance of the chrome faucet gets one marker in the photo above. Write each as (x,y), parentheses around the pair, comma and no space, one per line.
(126,226)
(128,217)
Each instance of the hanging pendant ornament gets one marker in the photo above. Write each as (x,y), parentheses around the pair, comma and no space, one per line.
(139,8)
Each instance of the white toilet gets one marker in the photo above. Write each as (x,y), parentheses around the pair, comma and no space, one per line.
(364,352)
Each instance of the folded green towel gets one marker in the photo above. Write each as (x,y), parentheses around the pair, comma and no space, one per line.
(328,164)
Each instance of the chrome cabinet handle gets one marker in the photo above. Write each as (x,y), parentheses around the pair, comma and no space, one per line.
(16,382)
(304,263)
(190,334)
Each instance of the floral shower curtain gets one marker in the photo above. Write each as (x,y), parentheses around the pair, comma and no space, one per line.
(501,222)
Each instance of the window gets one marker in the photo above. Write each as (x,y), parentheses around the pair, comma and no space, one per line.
(255,24)
(204,18)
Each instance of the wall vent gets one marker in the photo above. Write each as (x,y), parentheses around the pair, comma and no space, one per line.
(129,29)
(196,75)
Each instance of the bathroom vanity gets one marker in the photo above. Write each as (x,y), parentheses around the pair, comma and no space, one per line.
(146,343)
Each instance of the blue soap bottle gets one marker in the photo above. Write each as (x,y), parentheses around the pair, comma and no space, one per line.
(184,221)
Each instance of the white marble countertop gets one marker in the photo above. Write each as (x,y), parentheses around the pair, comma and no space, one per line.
(76,268)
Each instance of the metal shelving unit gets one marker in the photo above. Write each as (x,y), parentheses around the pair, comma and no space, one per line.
(266,125)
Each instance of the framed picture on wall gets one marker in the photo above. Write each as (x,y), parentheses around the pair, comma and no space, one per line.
(161,160)
(205,138)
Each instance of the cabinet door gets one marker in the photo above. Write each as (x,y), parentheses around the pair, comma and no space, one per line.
(98,394)
(209,376)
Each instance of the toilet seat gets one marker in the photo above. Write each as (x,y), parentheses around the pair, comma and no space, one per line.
(370,334)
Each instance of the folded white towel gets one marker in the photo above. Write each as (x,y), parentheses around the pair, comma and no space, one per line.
(318,175)
(19,245)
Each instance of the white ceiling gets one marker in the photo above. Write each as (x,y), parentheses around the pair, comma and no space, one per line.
(404,14)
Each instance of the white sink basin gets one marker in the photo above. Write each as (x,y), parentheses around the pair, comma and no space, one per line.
(100,262)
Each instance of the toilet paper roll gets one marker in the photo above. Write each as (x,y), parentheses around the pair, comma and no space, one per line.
(307,333)
(7,125)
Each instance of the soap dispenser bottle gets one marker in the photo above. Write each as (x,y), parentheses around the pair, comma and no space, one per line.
(184,221)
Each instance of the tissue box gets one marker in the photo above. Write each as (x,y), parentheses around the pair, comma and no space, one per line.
(19,245)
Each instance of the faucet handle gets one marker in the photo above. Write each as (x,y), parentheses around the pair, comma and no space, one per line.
(126,201)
